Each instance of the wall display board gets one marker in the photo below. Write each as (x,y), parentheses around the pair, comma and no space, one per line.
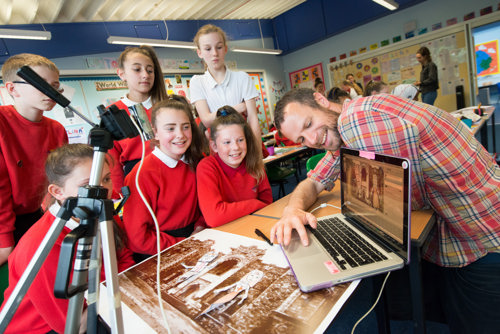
(262,101)
(304,78)
(86,93)
(400,66)
(486,51)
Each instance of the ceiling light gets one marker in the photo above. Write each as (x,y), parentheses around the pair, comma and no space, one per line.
(25,34)
(389,4)
(256,50)
(151,42)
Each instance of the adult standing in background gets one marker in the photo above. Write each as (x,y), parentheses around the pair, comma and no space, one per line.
(428,83)
(356,85)
(319,86)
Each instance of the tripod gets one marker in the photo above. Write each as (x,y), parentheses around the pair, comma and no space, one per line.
(95,212)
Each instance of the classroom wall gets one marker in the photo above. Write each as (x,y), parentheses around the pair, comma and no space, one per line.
(425,14)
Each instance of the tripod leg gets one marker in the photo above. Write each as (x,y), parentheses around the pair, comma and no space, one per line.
(111,270)
(94,280)
(80,276)
(31,271)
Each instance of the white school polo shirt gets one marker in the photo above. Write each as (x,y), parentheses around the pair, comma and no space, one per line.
(235,88)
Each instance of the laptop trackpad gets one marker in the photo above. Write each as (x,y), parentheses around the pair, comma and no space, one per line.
(297,250)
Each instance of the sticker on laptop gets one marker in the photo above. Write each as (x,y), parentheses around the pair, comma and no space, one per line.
(332,268)
(405,165)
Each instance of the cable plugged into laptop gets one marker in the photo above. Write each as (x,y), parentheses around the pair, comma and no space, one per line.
(374,304)
(324,205)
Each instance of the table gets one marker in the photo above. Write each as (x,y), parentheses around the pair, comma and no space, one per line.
(481,125)
(421,225)
(285,153)
(187,286)
(268,135)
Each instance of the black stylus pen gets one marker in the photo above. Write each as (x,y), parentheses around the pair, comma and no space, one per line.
(263,236)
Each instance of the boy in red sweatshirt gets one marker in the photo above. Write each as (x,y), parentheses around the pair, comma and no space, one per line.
(26,138)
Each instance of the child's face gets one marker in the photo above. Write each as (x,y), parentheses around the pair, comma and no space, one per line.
(138,72)
(230,144)
(28,97)
(212,50)
(173,130)
(80,177)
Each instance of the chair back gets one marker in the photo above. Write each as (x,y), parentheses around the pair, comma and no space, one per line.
(313,161)
(4,279)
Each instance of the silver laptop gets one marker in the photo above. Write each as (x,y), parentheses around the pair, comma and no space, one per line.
(370,236)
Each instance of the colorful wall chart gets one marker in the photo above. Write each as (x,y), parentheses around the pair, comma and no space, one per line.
(262,102)
(487,58)
(304,78)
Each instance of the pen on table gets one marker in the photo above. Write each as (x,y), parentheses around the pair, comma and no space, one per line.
(263,236)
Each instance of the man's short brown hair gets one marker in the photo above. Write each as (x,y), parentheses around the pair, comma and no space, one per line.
(14,63)
(304,96)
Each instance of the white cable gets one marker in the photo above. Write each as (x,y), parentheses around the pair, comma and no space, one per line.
(324,205)
(373,306)
(157,227)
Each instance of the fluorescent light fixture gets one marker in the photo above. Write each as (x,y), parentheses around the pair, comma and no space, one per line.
(389,4)
(151,42)
(25,34)
(256,50)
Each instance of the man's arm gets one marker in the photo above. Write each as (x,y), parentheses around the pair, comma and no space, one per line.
(294,214)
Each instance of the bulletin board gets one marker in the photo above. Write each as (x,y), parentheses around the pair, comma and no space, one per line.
(304,78)
(262,101)
(400,66)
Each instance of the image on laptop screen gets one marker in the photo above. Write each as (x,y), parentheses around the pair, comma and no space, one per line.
(374,192)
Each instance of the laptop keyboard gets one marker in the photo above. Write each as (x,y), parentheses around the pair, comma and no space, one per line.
(345,245)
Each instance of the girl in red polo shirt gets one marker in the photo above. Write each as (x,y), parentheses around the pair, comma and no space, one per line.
(67,169)
(232,182)
(167,180)
(140,69)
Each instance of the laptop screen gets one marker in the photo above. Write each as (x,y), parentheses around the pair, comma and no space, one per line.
(375,193)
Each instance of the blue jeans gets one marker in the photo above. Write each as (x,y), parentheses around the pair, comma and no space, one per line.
(470,296)
(429,97)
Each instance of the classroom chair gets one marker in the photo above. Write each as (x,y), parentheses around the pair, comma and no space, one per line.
(4,280)
(278,176)
(313,161)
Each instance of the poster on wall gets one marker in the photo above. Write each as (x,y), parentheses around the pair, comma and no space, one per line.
(487,58)
(304,78)
(262,102)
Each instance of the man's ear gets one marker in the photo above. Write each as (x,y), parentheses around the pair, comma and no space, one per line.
(56,192)
(321,99)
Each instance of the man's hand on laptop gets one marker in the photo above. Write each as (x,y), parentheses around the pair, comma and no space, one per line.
(293,218)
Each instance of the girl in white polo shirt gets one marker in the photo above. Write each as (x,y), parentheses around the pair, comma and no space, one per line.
(220,86)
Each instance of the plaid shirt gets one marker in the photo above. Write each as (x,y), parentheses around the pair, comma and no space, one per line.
(452,172)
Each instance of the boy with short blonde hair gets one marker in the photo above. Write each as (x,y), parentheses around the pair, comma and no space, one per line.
(26,138)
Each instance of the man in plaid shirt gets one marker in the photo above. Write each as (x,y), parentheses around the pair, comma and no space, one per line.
(451,173)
